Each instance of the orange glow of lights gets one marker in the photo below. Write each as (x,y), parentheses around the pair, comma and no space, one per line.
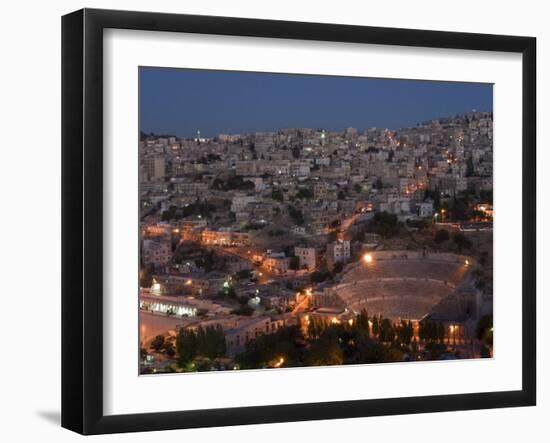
(367,258)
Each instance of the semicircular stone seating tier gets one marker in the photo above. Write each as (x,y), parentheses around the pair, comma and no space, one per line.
(401,286)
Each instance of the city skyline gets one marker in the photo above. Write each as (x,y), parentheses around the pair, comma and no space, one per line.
(245,102)
(309,247)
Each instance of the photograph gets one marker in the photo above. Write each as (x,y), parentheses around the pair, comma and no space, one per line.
(299,220)
(266,221)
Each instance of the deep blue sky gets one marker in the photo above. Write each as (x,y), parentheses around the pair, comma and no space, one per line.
(182,101)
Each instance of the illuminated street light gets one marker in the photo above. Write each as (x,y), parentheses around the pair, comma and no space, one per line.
(367,258)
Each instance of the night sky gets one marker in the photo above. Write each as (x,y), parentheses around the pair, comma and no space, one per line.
(182,101)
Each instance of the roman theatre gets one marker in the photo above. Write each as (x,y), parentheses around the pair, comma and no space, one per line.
(404,284)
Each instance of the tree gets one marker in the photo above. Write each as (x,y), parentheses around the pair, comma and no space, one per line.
(214,342)
(146,277)
(206,262)
(392,354)
(234,182)
(157,343)
(294,263)
(441,236)
(142,354)
(469,166)
(319,276)
(324,353)
(435,350)
(461,209)
(186,346)
(338,267)
(169,214)
(461,241)
(486,196)
(405,332)
(296,215)
(304,193)
(243,299)
(243,310)
(277,195)
(375,326)
(265,348)
(387,333)
(228,292)
(441,332)
(168,349)
(243,274)
(484,330)
(362,321)
(384,224)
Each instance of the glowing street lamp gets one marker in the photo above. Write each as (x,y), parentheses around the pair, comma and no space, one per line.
(367,258)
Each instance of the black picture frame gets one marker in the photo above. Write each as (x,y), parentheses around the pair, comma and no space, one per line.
(82,215)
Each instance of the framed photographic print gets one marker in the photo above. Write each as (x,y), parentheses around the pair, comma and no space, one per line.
(269,221)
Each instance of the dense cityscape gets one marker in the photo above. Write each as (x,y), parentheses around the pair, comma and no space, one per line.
(315,247)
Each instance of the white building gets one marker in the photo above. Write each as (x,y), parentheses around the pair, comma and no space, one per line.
(154,167)
(276,262)
(426,209)
(307,257)
(156,251)
(338,251)
(240,201)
